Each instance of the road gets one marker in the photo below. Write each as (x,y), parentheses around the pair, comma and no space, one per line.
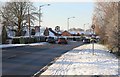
(28,60)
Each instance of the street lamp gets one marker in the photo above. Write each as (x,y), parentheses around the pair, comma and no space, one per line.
(68,22)
(40,7)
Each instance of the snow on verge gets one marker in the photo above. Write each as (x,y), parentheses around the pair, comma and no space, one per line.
(16,45)
(81,61)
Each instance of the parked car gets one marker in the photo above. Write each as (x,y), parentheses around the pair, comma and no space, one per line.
(82,38)
(86,41)
(62,41)
(51,40)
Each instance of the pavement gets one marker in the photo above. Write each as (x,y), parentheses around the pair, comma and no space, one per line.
(83,61)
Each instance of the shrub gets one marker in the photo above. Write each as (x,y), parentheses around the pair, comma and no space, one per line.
(27,40)
(22,40)
(42,39)
(15,41)
(31,40)
(37,39)
(4,35)
(69,38)
(78,39)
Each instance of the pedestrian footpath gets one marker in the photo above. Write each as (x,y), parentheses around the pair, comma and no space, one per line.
(81,61)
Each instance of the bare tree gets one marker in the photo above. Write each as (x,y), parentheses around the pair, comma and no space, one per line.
(106,17)
(118,26)
(16,14)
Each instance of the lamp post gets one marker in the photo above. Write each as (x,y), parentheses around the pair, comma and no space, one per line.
(40,7)
(85,26)
(68,22)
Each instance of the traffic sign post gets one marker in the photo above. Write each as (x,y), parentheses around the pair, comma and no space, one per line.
(93,27)
(57,29)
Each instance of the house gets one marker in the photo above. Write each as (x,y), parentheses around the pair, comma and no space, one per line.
(76,33)
(45,32)
(53,33)
(73,32)
(25,31)
(39,31)
(11,32)
(66,33)
(89,32)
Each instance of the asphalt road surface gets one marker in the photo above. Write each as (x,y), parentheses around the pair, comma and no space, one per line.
(28,60)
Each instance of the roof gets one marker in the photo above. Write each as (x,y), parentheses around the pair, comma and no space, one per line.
(73,32)
(51,32)
(66,33)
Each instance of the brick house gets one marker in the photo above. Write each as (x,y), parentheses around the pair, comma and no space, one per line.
(66,33)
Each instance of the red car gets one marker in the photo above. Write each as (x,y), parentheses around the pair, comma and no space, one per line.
(62,41)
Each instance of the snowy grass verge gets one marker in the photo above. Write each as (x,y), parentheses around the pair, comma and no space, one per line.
(18,45)
(81,61)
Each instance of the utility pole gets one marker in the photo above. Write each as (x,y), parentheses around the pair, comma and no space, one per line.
(29,22)
(39,20)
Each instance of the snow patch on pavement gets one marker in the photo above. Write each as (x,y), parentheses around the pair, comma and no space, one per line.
(81,61)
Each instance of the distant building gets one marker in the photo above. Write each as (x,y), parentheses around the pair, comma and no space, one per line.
(89,32)
(11,32)
(73,33)
(25,31)
(66,33)
(46,32)
(37,28)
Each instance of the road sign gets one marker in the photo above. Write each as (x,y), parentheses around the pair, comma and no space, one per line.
(57,28)
(93,26)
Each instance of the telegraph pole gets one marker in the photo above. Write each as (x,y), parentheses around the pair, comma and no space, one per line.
(39,20)
(29,22)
